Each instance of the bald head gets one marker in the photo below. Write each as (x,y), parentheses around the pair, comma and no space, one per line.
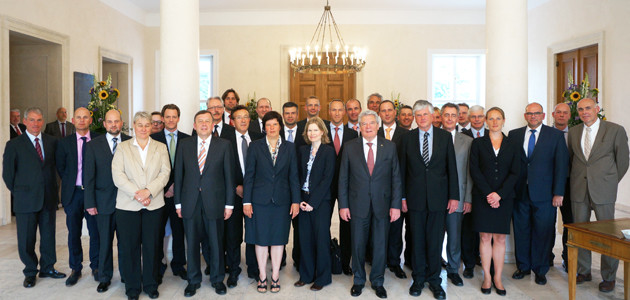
(561,114)
(82,120)
(113,122)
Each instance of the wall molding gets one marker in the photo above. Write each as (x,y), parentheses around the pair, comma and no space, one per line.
(123,58)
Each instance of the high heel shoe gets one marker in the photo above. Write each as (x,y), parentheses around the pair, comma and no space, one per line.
(486,291)
(499,291)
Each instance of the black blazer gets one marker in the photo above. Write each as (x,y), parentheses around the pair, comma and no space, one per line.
(32,182)
(67,165)
(238,173)
(14,133)
(429,187)
(254,126)
(348,135)
(100,191)
(358,190)
(494,173)
(469,132)
(398,134)
(52,128)
(161,137)
(215,185)
(322,171)
(265,182)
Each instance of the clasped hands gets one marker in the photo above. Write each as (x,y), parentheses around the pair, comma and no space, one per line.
(143,196)
(493,199)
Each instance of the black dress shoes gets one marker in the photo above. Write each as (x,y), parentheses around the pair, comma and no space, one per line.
(356,290)
(191,289)
(455,279)
(518,274)
(346,270)
(52,274)
(183,274)
(232,281)
(103,287)
(541,279)
(316,287)
(29,281)
(416,289)
(219,288)
(500,292)
(207,270)
(486,291)
(438,291)
(380,291)
(133,297)
(469,273)
(95,274)
(398,271)
(153,294)
(73,278)
(299,283)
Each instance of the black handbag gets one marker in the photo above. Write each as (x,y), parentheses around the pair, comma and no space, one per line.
(335,254)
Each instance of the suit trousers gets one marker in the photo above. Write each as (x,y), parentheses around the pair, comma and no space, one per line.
(200,228)
(106,224)
(315,263)
(295,253)
(75,213)
(233,238)
(582,213)
(177,228)
(139,239)
(454,238)
(470,243)
(361,229)
(395,242)
(408,249)
(27,224)
(534,232)
(427,232)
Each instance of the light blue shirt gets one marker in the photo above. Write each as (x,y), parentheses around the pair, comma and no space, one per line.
(430,140)
(41,143)
(480,131)
(168,138)
(340,132)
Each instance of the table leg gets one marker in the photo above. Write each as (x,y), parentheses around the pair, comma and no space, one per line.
(626,280)
(572,255)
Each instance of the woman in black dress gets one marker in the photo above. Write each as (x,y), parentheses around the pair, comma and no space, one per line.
(271,197)
(494,168)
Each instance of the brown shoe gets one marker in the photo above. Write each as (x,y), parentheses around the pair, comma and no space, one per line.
(583,277)
(316,287)
(299,283)
(606,286)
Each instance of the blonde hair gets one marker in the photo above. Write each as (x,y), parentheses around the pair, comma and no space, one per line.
(320,124)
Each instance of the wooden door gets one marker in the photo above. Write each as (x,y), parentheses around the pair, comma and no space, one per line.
(325,87)
(579,62)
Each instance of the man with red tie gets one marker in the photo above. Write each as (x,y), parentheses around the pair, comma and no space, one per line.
(15,128)
(60,128)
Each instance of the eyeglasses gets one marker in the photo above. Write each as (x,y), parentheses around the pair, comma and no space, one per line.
(529,114)
(156,122)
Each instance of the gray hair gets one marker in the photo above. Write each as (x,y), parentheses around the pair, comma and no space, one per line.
(258,101)
(422,104)
(450,105)
(215,98)
(34,109)
(141,115)
(16,110)
(369,113)
(556,106)
(380,98)
(475,108)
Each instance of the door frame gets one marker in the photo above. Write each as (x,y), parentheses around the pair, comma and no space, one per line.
(104,53)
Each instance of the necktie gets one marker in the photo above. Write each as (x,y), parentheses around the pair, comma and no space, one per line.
(355,127)
(231,121)
(79,180)
(387,135)
(262,128)
(172,148)
(336,141)
(531,143)
(587,143)
(425,148)
(17,130)
(216,131)
(244,147)
(38,148)
(290,139)
(63,129)
(84,139)
(370,160)
(115,141)
(478,134)
(201,158)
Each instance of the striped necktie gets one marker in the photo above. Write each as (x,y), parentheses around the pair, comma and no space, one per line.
(201,158)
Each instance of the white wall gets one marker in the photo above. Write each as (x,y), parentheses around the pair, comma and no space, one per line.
(561,21)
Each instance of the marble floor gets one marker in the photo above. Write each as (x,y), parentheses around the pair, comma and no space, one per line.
(173,287)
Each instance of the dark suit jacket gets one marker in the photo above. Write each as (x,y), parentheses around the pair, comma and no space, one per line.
(322,172)
(100,191)
(254,126)
(545,172)
(494,173)
(358,190)
(52,128)
(238,173)
(398,134)
(14,133)
(265,182)
(348,135)
(429,187)
(216,184)
(67,165)
(469,132)
(161,137)
(32,182)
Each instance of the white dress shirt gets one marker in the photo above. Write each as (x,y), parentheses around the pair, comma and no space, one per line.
(366,148)
(391,132)
(219,129)
(239,148)
(41,143)
(528,133)
(453,133)
(143,152)
(109,138)
(594,130)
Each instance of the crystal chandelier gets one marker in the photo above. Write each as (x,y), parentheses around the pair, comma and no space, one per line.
(327,53)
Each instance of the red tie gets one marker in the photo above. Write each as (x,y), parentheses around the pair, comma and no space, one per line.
(478,135)
(370,160)
(17,129)
(231,121)
(336,140)
(38,148)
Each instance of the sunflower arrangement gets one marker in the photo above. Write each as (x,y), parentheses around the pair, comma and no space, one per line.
(397,103)
(103,100)
(577,92)
(251,107)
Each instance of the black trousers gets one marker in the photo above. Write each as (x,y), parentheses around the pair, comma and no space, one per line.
(295,253)
(139,240)
(200,228)
(315,263)
(106,224)
(408,247)
(177,230)
(344,238)
(27,224)
(360,228)
(470,243)
(75,213)
(233,238)
(427,233)
(395,242)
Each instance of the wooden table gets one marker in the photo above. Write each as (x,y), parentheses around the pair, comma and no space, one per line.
(603,237)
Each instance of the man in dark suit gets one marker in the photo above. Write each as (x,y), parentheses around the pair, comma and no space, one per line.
(60,128)
(430,190)
(598,150)
(204,198)
(539,191)
(233,234)
(353,109)
(170,136)
(369,195)
(392,132)
(289,116)
(339,135)
(405,117)
(28,170)
(263,106)
(69,157)
(477,122)
(15,128)
(464,121)
(100,192)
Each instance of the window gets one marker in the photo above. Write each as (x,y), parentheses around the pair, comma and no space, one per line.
(206,79)
(457,76)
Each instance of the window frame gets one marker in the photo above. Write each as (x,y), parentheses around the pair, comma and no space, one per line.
(214,73)
(481,73)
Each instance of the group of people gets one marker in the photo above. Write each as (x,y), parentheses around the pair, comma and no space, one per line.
(236,179)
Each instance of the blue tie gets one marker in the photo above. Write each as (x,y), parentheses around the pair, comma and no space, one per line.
(531,144)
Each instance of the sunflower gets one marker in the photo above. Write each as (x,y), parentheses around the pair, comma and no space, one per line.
(103,95)
(117,92)
(102,83)
(564,94)
(575,96)
(91,113)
